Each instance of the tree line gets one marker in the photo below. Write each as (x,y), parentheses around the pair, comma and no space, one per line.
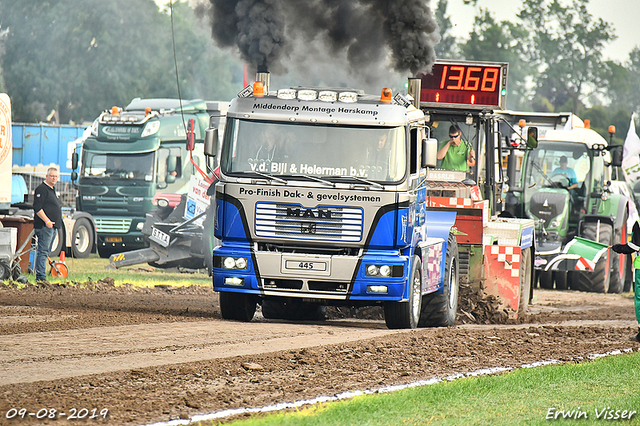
(67,60)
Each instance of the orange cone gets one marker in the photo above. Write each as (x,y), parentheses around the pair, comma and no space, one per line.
(62,256)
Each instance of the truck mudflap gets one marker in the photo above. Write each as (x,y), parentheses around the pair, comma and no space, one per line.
(579,254)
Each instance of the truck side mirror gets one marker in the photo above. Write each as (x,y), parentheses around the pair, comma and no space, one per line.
(74,176)
(532,137)
(211,141)
(74,161)
(616,155)
(429,152)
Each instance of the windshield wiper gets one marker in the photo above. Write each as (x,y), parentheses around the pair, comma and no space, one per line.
(317,179)
(359,179)
(270,177)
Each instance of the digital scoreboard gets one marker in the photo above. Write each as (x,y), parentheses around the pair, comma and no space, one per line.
(473,84)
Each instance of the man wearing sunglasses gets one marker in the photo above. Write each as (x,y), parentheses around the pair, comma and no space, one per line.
(454,153)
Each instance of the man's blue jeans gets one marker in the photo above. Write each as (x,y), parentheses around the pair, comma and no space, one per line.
(45,240)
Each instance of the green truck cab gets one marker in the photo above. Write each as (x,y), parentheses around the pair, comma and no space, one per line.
(132,154)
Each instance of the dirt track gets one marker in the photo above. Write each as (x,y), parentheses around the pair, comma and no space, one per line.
(160,354)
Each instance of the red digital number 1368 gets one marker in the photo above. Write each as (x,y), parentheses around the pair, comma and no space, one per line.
(460,78)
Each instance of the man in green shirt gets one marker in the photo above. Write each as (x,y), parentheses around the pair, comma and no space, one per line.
(454,153)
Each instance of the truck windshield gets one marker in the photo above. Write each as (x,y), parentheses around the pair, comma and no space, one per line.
(373,153)
(118,166)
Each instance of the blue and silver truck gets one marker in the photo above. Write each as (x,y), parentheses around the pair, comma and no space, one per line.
(321,202)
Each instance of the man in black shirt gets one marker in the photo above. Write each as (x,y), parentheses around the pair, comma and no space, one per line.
(47,219)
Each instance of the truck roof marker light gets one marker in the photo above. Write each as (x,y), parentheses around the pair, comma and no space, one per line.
(348,97)
(328,96)
(612,129)
(522,123)
(147,111)
(286,94)
(258,89)
(385,96)
(115,111)
(587,124)
(307,95)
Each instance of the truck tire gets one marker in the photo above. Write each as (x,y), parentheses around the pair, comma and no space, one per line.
(237,306)
(526,277)
(618,261)
(439,310)
(596,281)
(58,242)
(292,309)
(407,314)
(82,239)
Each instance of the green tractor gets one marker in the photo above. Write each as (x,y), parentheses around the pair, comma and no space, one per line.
(565,187)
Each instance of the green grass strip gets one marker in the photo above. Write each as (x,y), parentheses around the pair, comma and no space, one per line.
(604,387)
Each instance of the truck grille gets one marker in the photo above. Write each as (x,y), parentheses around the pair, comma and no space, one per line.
(297,222)
(112,225)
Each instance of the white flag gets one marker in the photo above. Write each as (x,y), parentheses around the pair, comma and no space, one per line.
(631,154)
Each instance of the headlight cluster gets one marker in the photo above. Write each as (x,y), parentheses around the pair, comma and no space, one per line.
(234,263)
(378,271)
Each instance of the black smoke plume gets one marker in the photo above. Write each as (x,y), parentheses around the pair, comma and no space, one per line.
(357,37)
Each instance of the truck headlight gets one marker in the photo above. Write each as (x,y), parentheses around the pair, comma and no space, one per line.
(151,128)
(140,225)
(234,262)
(384,271)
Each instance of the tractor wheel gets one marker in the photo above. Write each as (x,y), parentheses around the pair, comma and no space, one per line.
(526,271)
(596,281)
(439,310)
(237,306)
(546,279)
(406,314)
(618,261)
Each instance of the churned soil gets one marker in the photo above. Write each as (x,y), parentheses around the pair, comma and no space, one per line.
(152,355)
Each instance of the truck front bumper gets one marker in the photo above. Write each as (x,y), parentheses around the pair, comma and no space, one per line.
(373,277)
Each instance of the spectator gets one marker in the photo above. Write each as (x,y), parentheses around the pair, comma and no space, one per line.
(633,246)
(47,219)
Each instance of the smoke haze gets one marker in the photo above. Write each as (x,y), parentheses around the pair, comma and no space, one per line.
(334,42)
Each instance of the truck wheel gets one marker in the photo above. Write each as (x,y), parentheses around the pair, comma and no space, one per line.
(526,271)
(439,310)
(237,306)
(295,310)
(407,314)
(82,239)
(58,243)
(546,279)
(618,261)
(596,281)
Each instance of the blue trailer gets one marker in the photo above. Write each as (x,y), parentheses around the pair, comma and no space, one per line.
(42,143)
